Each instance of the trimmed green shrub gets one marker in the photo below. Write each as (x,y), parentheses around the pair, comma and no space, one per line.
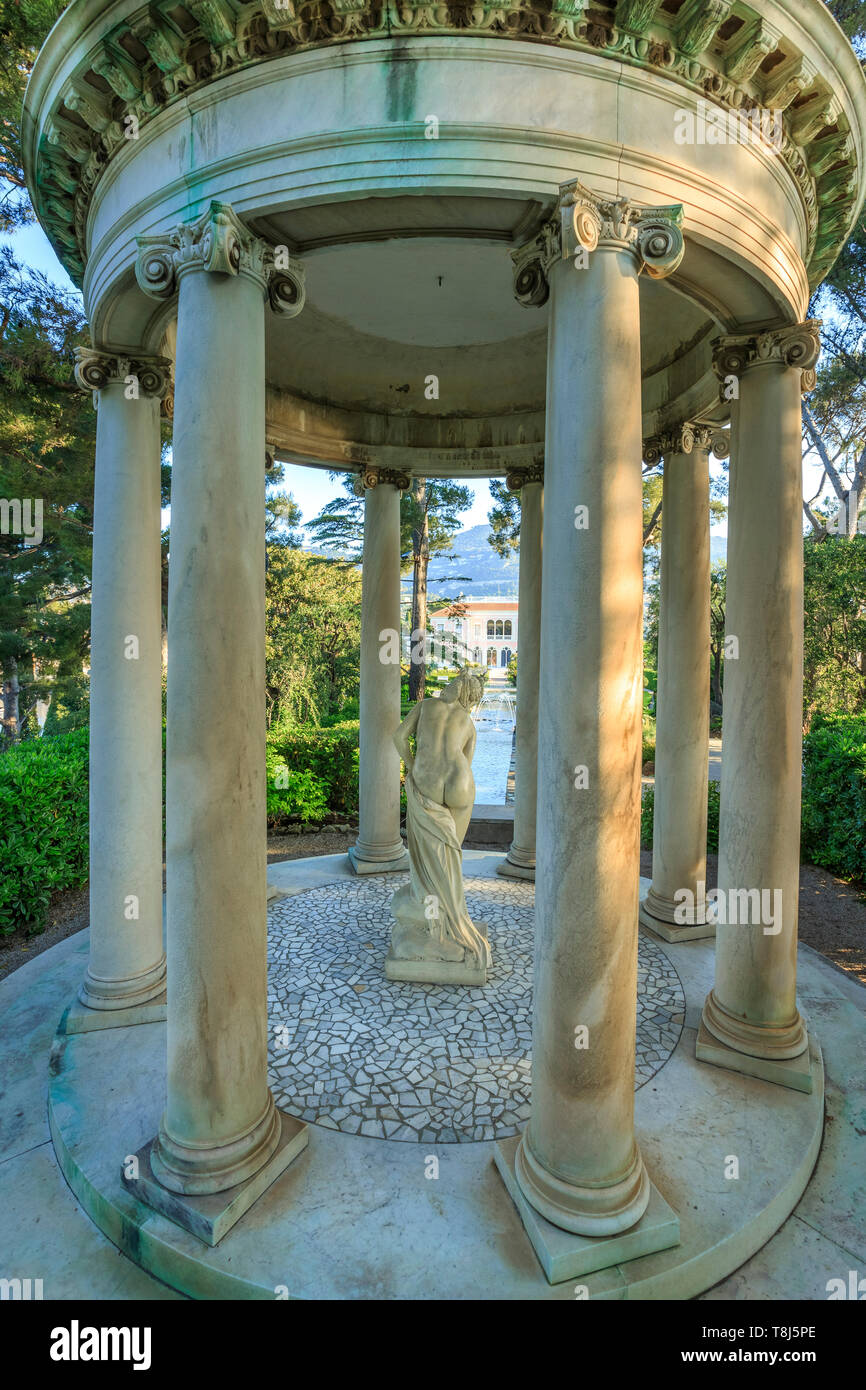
(646,817)
(648,739)
(330,754)
(293,795)
(834,795)
(43,826)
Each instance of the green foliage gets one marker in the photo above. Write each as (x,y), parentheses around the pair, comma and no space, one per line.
(646,817)
(648,739)
(312,636)
(504,519)
(851,14)
(43,826)
(834,632)
(24,25)
(69,708)
(340,524)
(511,670)
(293,794)
(834,795)
(330,755)
(47,431)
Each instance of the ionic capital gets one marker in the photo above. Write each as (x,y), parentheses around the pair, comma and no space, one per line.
(373,476)
(797,345)
(144,376)
(583,221)
(219,242)
(517,478)
(686,438)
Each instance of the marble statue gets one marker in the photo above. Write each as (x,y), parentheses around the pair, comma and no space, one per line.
(434,940)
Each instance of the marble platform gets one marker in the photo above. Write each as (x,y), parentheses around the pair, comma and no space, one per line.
(400,1233)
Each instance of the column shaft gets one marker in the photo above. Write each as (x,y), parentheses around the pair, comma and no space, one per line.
(578,1163)
(521,855)
(379,845)
(220,1124)
(682,720)
(752,1007)
(127,962)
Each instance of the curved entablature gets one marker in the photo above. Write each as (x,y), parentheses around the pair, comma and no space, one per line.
(107,69)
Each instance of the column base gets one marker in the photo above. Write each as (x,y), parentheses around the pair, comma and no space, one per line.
(797,1073)
(210,1216)
(80,1018)
(566,1255)
(107,995)
(594,1211)
(398,865)
(671,931)
(517,864)
(775,1042)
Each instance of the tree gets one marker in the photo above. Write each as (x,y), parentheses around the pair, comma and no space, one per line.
(718,588)
(434,510)
(312,635)
(834,415)
(429,517)
(834,630)
(504,515)
(504,519)
(282,513)
(47,432)
(24,25)
(852,17)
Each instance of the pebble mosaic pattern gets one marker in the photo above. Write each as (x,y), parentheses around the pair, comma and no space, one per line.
(350,1050)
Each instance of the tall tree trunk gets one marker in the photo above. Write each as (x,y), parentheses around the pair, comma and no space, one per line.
(420,557)
(10,700)
(716,675)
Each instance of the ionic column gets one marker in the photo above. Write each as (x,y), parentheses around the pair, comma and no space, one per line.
(674,907)
(578,1162)
(750,1020)
(126,971)
(220,1126)
(379,848)
(520,860)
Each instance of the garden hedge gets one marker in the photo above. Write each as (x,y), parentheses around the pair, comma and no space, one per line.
(834,795)
(330,756)
(43,826)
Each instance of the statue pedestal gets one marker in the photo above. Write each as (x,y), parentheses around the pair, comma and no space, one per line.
(435,972)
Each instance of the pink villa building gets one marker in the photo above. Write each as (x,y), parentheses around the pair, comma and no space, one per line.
(486,631)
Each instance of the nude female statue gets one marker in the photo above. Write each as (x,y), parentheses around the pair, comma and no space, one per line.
(434,938)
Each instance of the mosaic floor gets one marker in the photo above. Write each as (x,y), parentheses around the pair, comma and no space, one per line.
(353,1051)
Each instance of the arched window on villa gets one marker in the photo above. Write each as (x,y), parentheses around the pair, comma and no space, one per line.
(508,627)
(491,656)
(499,627)
(490,628)
(506,656)
(477,657)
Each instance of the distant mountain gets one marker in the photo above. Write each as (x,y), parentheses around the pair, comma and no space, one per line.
(472,567)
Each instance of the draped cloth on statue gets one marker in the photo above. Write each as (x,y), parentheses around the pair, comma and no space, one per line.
(433,903)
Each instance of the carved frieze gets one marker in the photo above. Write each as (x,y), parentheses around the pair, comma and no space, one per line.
(687,46)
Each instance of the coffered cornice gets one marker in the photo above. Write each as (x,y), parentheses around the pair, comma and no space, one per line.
(137,59)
